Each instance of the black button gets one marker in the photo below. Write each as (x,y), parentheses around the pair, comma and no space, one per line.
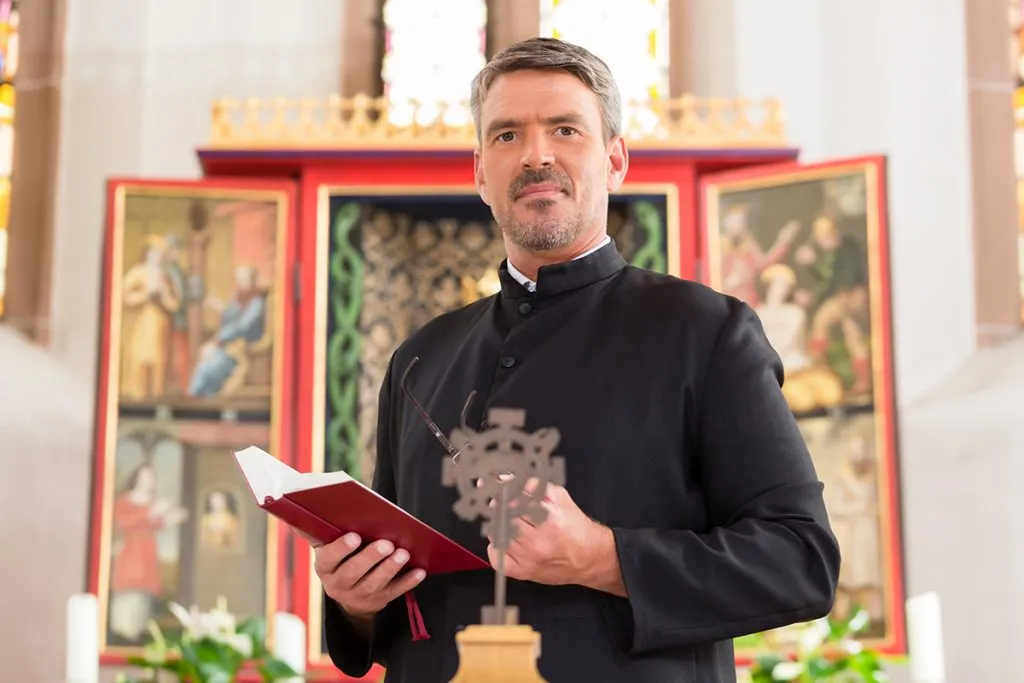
(525,308)
(508,361)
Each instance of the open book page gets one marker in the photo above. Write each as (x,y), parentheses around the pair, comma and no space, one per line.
(268,477)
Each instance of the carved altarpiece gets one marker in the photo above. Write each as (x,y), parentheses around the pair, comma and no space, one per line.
(387,232)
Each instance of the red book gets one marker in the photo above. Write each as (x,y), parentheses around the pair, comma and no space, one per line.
(326,506)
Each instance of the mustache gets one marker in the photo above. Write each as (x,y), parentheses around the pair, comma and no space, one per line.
(534,177)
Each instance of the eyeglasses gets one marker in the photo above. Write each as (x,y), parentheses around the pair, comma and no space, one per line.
(453,452)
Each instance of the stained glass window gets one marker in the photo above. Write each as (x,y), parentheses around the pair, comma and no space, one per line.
(8,68)
(432,50)
(636,51)
(1017,65)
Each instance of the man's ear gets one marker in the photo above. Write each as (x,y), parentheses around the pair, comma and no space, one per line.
(478,174)
(618,163)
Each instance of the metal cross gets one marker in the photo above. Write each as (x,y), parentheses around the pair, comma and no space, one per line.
(492,468)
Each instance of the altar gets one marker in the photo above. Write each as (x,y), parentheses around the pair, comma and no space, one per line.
(323,233)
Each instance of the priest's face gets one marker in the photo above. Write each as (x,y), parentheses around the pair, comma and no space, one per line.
(545,165)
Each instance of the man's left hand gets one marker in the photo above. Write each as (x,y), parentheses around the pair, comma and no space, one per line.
(566,548)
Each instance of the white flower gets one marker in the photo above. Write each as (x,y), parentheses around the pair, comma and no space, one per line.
(851,646)
(787,671)
(189,618)
(240,643)
(814,635)
(859,621)
(217,624)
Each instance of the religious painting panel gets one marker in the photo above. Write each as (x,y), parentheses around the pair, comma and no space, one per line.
(177,524)
(391,260)
(806,247)
(194,339)
(198,289)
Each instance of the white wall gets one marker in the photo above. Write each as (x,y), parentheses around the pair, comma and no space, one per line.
(884,76)
(890,76)
(713,50)
(140,78)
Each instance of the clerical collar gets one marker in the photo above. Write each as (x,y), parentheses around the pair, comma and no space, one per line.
(591,266)
(530,284)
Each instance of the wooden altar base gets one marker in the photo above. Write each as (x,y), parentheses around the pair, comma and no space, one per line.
(498,654)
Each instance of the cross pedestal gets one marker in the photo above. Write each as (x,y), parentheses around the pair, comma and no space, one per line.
(498,654)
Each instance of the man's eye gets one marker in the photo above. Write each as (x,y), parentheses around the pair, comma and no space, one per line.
(505,137)
(566,130)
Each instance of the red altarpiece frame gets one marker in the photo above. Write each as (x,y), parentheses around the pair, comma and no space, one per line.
(196,341)
(382,229)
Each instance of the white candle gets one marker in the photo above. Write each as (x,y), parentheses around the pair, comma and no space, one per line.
(924,638)
(290,641)
(82,664)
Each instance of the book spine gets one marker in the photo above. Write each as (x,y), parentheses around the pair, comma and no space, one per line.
(308,524)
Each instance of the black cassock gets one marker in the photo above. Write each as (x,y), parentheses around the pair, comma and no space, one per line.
(675,434)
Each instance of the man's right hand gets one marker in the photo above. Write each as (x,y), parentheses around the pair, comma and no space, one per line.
(365,582)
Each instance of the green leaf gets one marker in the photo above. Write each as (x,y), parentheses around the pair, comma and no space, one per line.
(212,672)
(868,666)
(765,662)
(208,652)
(838,629)
(275,669)
(171,665)
(125,678)
(256,629)
(820,668)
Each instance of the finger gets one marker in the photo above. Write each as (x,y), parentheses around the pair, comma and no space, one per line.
(515,536)
(502,477)
(330,555)
(532,486)
(492,555)
(524,522)
(381,575)
(557,494)
(355,569)
(405,583)
(524,531)
(513,567)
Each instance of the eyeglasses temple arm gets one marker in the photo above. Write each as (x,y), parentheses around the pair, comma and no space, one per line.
(423,413)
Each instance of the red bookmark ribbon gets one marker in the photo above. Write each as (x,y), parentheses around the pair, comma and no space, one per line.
(419,629)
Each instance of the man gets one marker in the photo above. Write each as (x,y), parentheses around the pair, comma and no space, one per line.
(691,514)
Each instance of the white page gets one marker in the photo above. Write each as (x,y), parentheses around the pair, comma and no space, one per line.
(269,477)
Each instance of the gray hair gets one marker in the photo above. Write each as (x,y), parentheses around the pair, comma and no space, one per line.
(551,54)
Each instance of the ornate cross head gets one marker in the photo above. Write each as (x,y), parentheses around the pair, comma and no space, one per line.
(490,474)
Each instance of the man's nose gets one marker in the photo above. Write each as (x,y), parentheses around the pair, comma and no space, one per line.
(537,152)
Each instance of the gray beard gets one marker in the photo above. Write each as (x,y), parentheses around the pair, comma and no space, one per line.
(543,234)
